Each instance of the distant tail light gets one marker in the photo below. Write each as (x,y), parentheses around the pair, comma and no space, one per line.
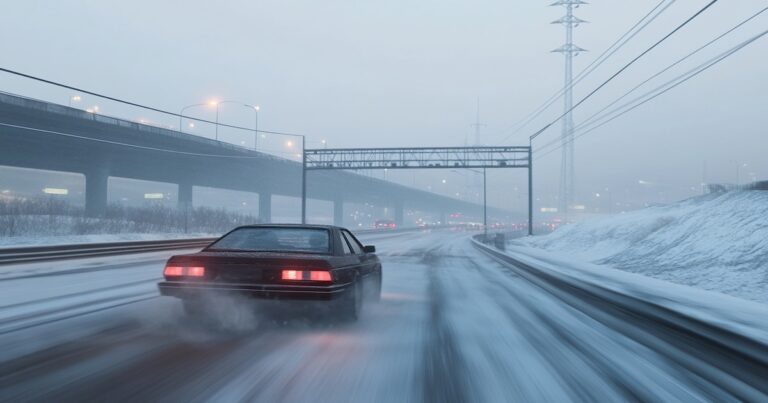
(180,271)
(305,275)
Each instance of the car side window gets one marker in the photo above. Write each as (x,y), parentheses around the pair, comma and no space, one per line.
(356,247)
(345,245)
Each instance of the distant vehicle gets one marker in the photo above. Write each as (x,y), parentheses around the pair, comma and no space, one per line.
(384,224)
(323,265)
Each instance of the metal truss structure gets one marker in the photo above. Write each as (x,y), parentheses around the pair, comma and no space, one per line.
(485,157)
(418,158)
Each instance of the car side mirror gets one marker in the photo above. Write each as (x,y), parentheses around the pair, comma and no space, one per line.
(369,249)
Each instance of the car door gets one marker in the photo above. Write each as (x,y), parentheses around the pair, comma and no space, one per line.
(368,262)
(350,261)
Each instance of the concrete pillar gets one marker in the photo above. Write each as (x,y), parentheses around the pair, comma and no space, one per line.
(265,207)
(443,218)
(338,212)
(96,186)
(185,196)
(399,214)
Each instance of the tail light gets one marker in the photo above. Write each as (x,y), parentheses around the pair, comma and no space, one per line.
(173,271)
(196,271)
(305,275)
(179,271)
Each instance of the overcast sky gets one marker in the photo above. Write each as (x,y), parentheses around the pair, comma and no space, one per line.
(408,73)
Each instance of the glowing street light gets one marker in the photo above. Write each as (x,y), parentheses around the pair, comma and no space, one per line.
(191,125)
(74,98)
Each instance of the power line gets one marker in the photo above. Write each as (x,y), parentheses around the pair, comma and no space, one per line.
(588,121)
(618,44)
(616,74)
(669,85)
(595,116)
(150,108)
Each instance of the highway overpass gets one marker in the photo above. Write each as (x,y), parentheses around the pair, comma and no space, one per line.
(72,140)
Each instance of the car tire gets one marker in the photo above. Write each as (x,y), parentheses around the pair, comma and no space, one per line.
(352,303)
(376,295)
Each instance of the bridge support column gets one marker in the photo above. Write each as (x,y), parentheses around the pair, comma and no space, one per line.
(185,196)
(265,207)
(443,218)
(399,214)
(96,186)
(338,212)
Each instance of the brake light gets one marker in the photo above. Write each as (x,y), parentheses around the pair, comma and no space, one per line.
(196,271)
(173,271)
(305,275)
(319,276)
(179,271)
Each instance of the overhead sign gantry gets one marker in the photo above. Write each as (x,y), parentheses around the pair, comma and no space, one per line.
(485,157)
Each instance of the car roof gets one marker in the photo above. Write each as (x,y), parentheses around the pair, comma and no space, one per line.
(306,226)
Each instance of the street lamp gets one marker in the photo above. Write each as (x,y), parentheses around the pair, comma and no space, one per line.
(75,98)
(254,108)
(181,113)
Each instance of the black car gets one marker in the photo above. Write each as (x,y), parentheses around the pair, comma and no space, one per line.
(322,264)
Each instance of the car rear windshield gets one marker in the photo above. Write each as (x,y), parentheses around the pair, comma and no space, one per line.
(299,240)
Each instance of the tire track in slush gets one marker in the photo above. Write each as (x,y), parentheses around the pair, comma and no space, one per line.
(445,372)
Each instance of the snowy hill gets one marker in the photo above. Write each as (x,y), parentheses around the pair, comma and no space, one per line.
(716,242)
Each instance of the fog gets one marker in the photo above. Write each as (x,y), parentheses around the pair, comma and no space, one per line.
(403,73)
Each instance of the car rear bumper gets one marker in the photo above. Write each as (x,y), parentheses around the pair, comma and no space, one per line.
(186,289)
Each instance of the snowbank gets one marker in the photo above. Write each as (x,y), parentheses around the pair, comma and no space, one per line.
(716,242)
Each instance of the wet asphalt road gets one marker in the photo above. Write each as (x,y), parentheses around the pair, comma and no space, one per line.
(453,326)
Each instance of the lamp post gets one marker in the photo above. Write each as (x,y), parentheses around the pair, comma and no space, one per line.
(530,186)
(181,113)
(254,108)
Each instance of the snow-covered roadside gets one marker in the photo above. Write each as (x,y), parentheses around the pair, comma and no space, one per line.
(739,315)
(10,242)
(716,242)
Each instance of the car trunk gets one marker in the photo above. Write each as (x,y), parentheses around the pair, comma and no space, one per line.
(251,268)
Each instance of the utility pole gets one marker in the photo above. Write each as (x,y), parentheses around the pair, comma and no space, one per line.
(569,50)
(477,125)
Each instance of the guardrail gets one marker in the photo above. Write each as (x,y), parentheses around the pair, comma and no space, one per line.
(42,253)
(57,252)
(733,361)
